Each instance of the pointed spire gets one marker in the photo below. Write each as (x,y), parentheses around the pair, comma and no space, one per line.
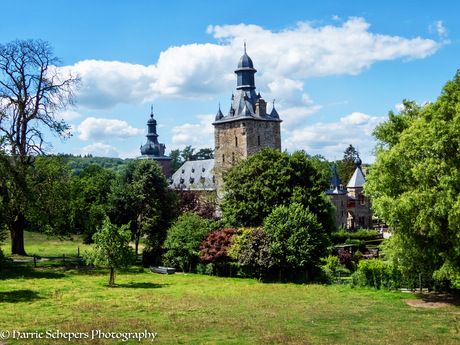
(219,114)
(274,113)
(245,46)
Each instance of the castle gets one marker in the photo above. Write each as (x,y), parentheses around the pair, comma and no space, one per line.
(246,129)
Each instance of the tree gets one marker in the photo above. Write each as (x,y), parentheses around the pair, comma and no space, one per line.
(32,93)
(184,239)
(214,247)
(90,197)
(271,178)
(415,182)
(141,196)
(298,240)
(346,167)
(111,248)
(256,251)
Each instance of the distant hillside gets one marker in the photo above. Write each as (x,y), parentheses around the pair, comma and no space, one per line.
(77,163)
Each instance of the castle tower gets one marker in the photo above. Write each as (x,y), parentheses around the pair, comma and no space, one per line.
(153,149)
(247,127)
(359,206)
(338,195)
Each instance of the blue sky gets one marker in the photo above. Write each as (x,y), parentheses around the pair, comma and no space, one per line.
(335,68)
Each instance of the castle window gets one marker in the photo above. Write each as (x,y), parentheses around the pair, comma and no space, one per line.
(223,158)
(233,157)
(258,140)
(332,187)
(361,199)
(236,141)
(341,187)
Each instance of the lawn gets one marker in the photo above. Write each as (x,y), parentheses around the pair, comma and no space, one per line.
(194,309)
(45,246)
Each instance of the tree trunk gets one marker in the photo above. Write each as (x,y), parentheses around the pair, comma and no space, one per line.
(17,235)
(112,277)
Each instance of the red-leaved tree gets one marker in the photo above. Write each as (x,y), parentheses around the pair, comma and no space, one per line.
(214,248)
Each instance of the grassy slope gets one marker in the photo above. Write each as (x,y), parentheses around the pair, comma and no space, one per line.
(193,309)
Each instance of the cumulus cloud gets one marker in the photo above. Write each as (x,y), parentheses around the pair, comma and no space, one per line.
(100,150)
(331,139)
(198,135)
(105,129)
(283,58)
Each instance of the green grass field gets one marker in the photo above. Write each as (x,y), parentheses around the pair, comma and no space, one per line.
(194,309)
(45,246)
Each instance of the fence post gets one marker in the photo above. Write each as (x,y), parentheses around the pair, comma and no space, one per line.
(420,282)
(35,261)
(78,255)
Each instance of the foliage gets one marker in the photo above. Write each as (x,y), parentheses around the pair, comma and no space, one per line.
(239,241)
(77,163)
(184,239)
(90,198)
(50,182)
(256,252)
(202,203)
(341,237)
(346,167)
(345,258)
(271,178)
(142,198)
(415,182)
(333,267)
(111,248)
(376,273)
(298,240)
(32,92)
(214,247)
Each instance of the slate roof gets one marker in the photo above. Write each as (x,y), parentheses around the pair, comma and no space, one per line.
(194,175)
(336,186)
(245,98)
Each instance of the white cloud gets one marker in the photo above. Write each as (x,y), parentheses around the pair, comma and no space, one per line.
(100,150)
(197,135)
(68,115)
(331,139)
(284,58)
(104,129)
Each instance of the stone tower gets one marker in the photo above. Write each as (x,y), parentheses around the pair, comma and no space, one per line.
(247,127)
(153,149)
(338,195)
(359,205)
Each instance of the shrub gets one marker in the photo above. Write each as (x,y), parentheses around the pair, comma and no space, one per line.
(214,247)
(298,240)
(184,238)
(238,242)
(376,273)
(342,236)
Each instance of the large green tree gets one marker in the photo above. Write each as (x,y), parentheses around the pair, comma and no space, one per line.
(90,197)
(270,178)
(141,197)
(32,93)
(415,183)
(346,167)
(298,240)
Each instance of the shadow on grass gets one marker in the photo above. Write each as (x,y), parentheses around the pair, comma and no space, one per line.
(19,296)
(140,285)
(29,273)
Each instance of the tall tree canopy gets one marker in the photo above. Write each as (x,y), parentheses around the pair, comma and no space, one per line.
(261,182)
(346,167)
(415,183)
(32,93)
(141,196)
